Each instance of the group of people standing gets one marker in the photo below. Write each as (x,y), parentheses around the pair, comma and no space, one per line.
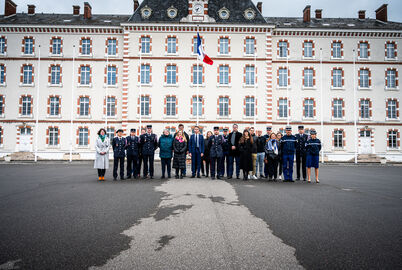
(268,156)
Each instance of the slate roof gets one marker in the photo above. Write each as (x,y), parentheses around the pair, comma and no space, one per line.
(64,19)
(235,7)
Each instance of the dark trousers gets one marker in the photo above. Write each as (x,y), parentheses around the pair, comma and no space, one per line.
(132,165)
(280,165)
(179,172)
(266,168)
(166,165)
(207,162)
(215,162)
(116,162)
(301,158)
(272,167)
(139,164)
(222,165)
(148,161)
(230,165)
(101,172)
(288,166)
(196,162)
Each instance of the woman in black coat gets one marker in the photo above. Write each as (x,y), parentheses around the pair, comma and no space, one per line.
(246,150)
(280,167)
(205,158)
(180,149)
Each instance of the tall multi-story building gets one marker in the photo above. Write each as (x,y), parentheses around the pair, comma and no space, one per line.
(64,76)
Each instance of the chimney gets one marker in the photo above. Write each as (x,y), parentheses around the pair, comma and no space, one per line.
(362,14)
(136,5)
(306,14)
(10,8)
(76,10)
(259,7)
(318,13)
(31,9)
(381,13)
(87,11)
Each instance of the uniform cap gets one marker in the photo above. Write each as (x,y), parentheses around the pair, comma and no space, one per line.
(313,132)
(149,126)
(301,127)
(225,129)
(133,130)
(216,128)
(289,128)
(269,128)
(119,130)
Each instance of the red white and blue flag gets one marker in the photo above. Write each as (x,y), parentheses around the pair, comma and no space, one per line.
(201,54)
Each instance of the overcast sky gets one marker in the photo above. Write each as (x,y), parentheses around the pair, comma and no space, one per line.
(274,8)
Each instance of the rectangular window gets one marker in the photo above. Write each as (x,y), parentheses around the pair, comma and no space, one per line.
(171,106)
(197,106)
(283,49)
(145,44)
(85,75)
(26,106)
(364,50)
(308,77)
(391,78)
(283,108)
(25,131)
(27,75)
(2,45)
(171,74)
(83,137)
(223,106)
(250,107)
(250,46)
(55,75)
(53,136)
(110,133)
(145,74)
(197,74)
(171,45)
(110,107)
(86,46)
(338,139)
(392,109)
(365,109)
(223,46)
(338,108)
(336,50)
(145,105)
(28,47)
(54,106)
(111,47)
(195,45)
(250,75)
(283,77)
(393,139)
(2,74)
(111,75)
(391,50)
(1,105)
(84,106)
(308,49)
(56,46)
(224,75)
(364,78)
(337,78)
(309,108)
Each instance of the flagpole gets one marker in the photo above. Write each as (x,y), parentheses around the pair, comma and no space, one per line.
(355,103)
(255,86)
(140,90)
(107,85)
(322,107)
(287,89)
(198,89)
(37,109)
(72,108)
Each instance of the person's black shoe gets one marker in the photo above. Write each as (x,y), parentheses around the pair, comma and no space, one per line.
(169,176)
(218,177)
(114,178)
(297,179)
(163,177)
(261,176)
(237,177)
(229,177)
(122,178)
(291,180)
(184,175)
(203,174)
(152,177)
(181,176)
(304,179)
(193,176)
(128,176)
(177,177)
(198,176)
(145,177)
(212,177)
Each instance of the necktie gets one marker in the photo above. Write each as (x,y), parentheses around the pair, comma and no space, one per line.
(232,140)
(196,136)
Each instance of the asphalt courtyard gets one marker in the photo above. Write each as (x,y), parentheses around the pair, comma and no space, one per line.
(57,216)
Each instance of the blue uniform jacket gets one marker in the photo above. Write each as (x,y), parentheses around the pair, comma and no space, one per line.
(133,145)
(313,147)
(216,145)
(288,145)
(119,146)
(301,143)
(192,145)
(149,143)
(226,145)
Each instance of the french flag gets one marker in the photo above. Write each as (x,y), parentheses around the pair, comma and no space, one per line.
(201,54)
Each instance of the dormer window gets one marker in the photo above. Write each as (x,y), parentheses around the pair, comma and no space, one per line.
(146,12)
(249,14)
(224,13)
(172,12)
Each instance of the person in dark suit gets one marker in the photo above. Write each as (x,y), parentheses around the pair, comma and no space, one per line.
(149,143)
(206,158)
(216,152)
(246,149)
(225,148)
(280,163)
(196,149)
(288,145)
(133,144)
(267,137)
(140,157)
(301,155)
(234,154)
(181,128)
(119,153)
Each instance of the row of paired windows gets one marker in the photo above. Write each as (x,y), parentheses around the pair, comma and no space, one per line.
(83,136)
(363,49)
(197,107)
